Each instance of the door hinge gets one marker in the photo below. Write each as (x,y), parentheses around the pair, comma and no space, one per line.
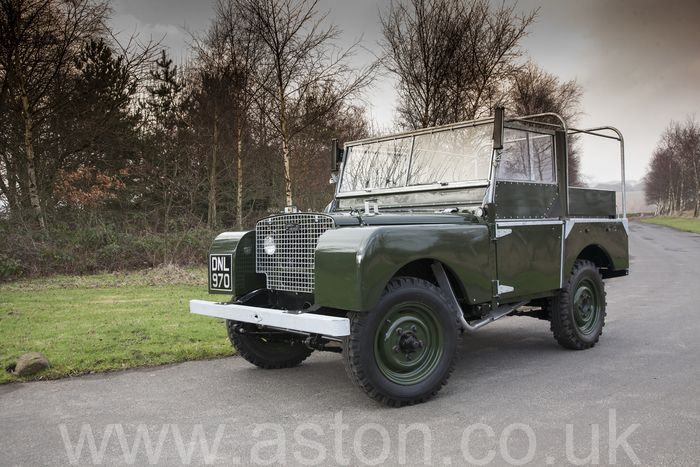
(499,289)
(503,232)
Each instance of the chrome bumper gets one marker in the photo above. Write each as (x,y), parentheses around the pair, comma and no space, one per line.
(293,321)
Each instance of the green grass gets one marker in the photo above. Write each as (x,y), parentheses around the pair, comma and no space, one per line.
(680,223)
(108,322)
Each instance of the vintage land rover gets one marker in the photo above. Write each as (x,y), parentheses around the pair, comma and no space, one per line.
(431,234)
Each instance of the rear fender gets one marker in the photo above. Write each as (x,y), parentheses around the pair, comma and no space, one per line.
(604,242)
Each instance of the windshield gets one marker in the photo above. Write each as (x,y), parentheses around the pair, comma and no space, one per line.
(445,156)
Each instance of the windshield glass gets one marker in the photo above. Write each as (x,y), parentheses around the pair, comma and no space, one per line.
(451,156)
(381,164)
(445,156)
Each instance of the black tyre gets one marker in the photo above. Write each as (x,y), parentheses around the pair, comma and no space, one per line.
(404,350)
(266,353)
(578,310)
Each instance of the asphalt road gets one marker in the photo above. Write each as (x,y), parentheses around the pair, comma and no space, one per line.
(516,397)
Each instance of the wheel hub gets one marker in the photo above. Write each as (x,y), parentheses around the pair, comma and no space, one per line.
(586,307)
(409,342)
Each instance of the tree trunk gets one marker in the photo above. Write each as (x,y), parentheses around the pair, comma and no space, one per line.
(287,171)
(671,197)
(31,166)
(211,218)
(8,188)
(697,184)
(681,190)
(168,198)
(29,145)
(285,151)
(239,191)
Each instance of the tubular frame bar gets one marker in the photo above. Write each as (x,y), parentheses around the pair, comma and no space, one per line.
(621,139)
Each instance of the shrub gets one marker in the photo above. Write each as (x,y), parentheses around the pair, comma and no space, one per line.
(9,267)
(86,245)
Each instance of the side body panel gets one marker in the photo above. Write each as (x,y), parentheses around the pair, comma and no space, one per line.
(353,265)
(586,202)
(525,200)
(529,257)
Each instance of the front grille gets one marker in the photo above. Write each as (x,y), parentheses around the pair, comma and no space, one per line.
(285,247)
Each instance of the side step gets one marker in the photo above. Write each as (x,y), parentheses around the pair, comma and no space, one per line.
(500,312)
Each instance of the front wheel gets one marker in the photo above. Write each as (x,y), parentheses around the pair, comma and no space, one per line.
(404,350)
(578,310)
(266,353)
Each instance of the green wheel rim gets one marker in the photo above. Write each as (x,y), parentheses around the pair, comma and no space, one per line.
(587,306)
(409,343)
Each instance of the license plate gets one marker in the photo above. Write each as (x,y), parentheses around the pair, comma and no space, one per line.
(221,272)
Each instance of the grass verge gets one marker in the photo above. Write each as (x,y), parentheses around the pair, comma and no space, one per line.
(108,322)
(680,223)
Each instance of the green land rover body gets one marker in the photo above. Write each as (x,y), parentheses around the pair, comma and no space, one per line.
(431,234)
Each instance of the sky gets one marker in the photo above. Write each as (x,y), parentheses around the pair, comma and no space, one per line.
(638,60)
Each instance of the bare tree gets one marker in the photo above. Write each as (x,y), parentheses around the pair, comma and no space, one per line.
(233,51)
(491,54)
(452,57)
(168,163)
(533,91)
(673,177)
(299,58)
(658,181)
(693,152)
(38,41)
(422,40)
(310,173)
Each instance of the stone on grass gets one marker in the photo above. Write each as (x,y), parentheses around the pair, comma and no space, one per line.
(31,363)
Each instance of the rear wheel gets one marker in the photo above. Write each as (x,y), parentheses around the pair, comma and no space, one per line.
(404,350)
(578,310)
(266,353)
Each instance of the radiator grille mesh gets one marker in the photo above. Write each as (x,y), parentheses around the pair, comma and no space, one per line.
(285,247)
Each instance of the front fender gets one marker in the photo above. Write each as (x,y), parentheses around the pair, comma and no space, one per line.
(241,247)
(354,265)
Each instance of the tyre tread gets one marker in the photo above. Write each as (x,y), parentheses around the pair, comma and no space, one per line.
(240,343)
(561,320)
(351,349)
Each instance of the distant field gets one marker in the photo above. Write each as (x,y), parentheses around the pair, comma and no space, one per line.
(680,223)
(636,202)
(108,322)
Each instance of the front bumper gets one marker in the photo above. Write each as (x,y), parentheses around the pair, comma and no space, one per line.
(294,321)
